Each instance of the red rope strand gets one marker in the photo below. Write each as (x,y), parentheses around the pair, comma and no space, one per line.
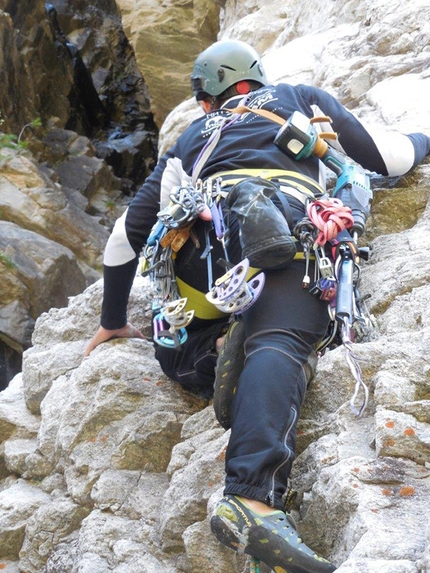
(330,217)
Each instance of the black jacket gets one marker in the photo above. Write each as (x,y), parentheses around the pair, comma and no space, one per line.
(248,143)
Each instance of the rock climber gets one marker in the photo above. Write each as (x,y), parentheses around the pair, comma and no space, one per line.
(252,182)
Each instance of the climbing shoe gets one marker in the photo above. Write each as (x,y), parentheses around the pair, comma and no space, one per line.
(271,538)
(228,368)
(265,235)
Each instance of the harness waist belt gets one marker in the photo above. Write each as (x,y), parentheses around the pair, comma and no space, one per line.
(291,182)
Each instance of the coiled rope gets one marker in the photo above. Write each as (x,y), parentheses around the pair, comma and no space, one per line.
(330,216)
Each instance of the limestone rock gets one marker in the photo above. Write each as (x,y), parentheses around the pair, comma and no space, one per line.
(99,37)
(17,504)
(73,71)
(260,23)
(176,32)
(39,273)
(118,469)
(198,535)
(18,429)
(202,473)
(31,89)
(10,566)
(16,452)
(41,368)
(400,434)
(50,247)
(29,199)
(175,123)
(46,527)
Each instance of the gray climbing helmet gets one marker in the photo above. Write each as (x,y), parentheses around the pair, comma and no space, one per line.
(224,64)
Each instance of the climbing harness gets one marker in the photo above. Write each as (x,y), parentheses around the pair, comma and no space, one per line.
(332,224)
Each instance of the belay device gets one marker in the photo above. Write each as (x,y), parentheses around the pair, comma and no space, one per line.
(299,139)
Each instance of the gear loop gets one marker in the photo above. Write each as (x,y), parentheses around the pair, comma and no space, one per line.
(186,203)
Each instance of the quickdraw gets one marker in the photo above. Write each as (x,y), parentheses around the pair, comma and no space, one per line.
(169,324)
(186,203)
(169,315)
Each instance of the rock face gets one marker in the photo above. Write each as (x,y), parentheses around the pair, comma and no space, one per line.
(123,477)
(73,70)
(105,464)
(65,61)
(166,37)
(50,246)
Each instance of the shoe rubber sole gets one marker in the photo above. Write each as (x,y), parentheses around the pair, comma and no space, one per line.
(229,367)
(272,539)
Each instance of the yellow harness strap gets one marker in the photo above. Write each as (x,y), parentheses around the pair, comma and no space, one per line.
(291,183)
(197,301)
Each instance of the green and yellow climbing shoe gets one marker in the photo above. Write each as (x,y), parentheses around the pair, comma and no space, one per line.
(271,538)
(228,368)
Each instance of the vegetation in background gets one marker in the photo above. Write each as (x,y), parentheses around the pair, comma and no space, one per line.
(16,142)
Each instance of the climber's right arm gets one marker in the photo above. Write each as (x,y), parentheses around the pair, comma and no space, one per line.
(124,246)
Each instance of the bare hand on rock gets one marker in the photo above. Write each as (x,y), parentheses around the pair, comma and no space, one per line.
(103,335)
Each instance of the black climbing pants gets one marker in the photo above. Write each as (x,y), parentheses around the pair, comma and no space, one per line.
(281,328)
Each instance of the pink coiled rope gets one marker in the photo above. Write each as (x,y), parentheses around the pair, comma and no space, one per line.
(330,217)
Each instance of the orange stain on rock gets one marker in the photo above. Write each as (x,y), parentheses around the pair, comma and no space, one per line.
(389,424)
(407,491)
(409,432)
(386,492)
(221,455)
